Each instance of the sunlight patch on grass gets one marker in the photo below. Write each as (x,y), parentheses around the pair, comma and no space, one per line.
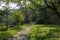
(40,31)
(11,32)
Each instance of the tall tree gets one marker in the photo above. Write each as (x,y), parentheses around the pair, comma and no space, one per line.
(53,5)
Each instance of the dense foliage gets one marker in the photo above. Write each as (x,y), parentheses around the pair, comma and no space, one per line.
(18,16)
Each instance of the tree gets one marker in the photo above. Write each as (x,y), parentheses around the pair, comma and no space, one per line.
(1,15)
(53,5)
(39,9)
(18,16)
(45,9)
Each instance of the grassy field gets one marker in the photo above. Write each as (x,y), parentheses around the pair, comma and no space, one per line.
(45,32)
(38,32)
(12,31)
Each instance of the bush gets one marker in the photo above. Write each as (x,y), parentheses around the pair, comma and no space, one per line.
(3,36)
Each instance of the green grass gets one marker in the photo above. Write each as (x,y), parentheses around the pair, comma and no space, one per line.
(15,29)
(38,32)
(3,35)
(12,31)
(44,32)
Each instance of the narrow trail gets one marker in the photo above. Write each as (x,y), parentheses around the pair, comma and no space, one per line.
(22,35)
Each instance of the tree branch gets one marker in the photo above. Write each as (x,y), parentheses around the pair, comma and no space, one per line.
(52,7)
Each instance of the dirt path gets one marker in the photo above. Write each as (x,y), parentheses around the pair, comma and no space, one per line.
(22,35)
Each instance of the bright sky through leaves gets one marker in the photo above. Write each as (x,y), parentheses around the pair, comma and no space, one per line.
(11,5)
